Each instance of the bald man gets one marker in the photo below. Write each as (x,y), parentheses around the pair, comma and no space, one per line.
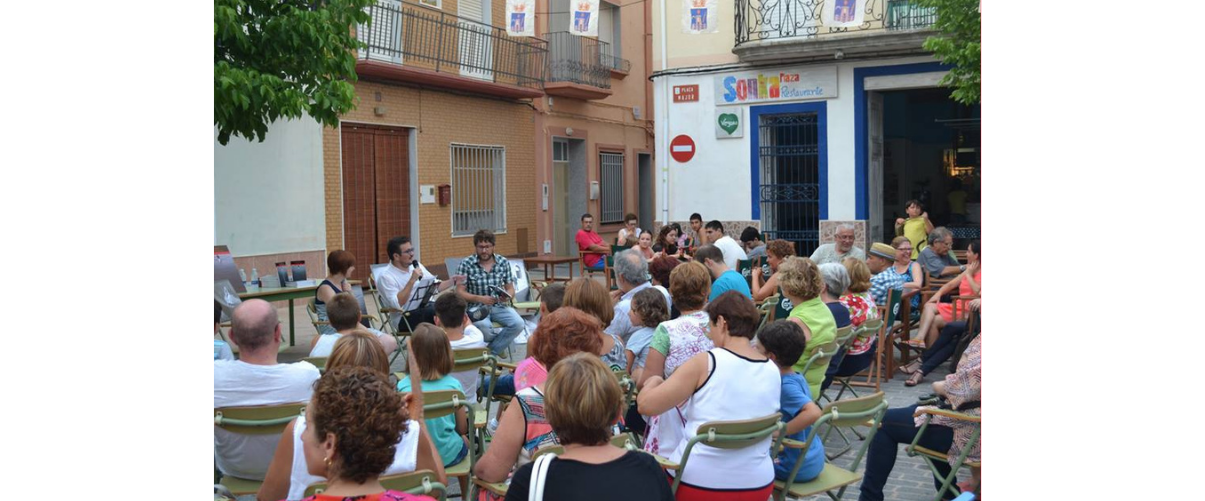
(255,379)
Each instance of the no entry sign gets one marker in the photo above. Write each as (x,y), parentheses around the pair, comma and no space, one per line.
(682,148)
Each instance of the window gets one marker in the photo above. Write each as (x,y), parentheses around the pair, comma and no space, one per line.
(478,189)
(434,4)
(610,181)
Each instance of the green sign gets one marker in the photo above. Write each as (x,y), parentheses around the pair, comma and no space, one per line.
(728,123)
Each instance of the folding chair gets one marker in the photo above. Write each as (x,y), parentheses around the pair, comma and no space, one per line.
(932,456)
(319,362)
(865,411)
(589,272)
(631,442)
(499,488)
(254,420)
(823,354)
(415,482)
(767,309)
(870,326)
(732,435)
(311,308)
(480,360)
(745,268)
(437,404)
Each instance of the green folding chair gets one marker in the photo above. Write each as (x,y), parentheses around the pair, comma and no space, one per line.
(499,488)
(319,362)
(870,326)
(842,414)
(731,435)
(253,420)
(767,308)
(437,404)
(745,268)
(416,482)
(931,456)
(479,360)
(388,326)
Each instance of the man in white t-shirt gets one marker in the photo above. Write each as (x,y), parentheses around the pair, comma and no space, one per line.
(397,282)
(255,379)
(732,251)
(629,235)
(343,310)
(450,315)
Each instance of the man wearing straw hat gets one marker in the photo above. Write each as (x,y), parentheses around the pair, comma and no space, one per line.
(880,257)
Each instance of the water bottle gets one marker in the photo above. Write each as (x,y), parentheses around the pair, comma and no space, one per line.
(255,277)
(242,274)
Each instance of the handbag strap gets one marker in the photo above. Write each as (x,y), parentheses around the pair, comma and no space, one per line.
(539,474)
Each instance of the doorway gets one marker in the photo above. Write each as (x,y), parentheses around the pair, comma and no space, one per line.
(646,182)
(376,190)
(929,148)
(568,193)
(790,190)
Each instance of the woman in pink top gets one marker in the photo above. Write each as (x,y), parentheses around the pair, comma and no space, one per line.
(936,314)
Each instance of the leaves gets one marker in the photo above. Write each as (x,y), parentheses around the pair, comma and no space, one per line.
(282,59)
(958,45)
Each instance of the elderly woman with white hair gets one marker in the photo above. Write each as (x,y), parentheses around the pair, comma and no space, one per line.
(836,281)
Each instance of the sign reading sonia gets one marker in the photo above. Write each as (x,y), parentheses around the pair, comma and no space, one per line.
(776,85)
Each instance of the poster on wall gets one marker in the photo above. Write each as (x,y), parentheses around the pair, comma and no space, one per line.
(844,14)
(584,22)
(519,18)
(699,16)
(729,123)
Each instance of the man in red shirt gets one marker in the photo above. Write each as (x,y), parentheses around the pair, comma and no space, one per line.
(589,241)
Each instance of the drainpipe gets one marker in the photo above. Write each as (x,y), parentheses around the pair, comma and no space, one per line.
(664,136)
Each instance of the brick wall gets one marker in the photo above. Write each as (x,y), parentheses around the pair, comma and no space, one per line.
(439,119)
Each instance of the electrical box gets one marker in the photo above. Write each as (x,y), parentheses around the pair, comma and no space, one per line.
(427,194)
(593,190)
(544,199)
(445,195)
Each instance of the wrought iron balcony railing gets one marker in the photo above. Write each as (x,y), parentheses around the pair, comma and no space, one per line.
(759,20)
(582,60)
(436,41)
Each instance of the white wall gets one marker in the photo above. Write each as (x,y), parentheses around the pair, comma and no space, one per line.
(717,180)
(268,197)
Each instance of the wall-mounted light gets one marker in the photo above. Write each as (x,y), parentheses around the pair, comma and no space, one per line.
(568,131)
(379,111)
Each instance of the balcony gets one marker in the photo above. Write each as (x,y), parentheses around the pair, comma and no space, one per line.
(581,67)
(768,30)
(418,45)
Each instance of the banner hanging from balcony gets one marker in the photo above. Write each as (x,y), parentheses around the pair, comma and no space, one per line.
(520,20)
(699,16)
(844,13)
(585,18)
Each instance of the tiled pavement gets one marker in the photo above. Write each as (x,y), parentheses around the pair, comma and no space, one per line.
(910,480)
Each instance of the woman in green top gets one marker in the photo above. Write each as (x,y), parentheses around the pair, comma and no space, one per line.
(801,282)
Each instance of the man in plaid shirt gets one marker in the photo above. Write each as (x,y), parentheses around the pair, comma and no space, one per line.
(482,270)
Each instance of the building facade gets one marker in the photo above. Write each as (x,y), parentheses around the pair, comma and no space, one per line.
(804,114)
(454,131)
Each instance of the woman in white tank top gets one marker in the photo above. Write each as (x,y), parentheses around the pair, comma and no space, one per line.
(730,382)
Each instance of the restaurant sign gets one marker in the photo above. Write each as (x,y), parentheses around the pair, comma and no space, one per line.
(776,85)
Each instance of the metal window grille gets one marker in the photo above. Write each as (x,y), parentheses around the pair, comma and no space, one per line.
(789,157)
(611,187)
(478,189)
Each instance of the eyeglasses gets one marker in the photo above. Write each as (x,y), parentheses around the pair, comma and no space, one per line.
(909,249)
(409,251)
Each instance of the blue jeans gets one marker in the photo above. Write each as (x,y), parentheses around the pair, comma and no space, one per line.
(512,324)
(943,347)
(504,387)
(898,428)
(599,266)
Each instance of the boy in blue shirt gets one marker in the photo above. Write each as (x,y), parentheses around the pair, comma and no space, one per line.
(723,279)
(783,342)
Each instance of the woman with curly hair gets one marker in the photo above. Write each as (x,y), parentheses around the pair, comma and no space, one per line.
(523,428)
(289,473)
(355,418)
(801,283)
(776,251)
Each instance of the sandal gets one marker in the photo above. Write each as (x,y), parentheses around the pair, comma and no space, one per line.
(910,368)
(916,378)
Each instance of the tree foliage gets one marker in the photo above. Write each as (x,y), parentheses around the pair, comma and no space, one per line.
(957,45)
(282,58)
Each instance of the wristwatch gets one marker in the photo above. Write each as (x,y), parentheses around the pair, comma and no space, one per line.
(962,267)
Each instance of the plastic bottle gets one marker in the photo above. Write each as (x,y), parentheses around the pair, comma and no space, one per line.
(255,277)
(243,275)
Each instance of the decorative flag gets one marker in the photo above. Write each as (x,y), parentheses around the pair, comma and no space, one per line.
(699,16)
(519,21)
(844,13)
(585,18)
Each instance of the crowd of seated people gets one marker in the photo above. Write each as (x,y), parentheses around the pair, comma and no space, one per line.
(681,323)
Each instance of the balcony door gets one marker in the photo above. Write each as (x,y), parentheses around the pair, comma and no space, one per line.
(383,34)
(476,40)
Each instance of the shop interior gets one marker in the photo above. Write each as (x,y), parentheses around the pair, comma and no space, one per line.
(931,153)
